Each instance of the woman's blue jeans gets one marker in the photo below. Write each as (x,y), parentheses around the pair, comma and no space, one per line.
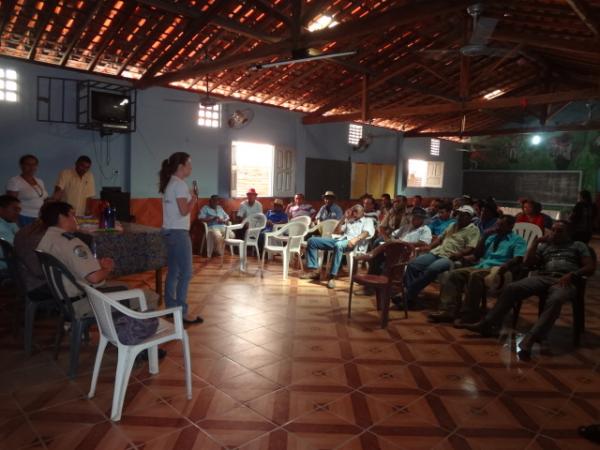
(179,265)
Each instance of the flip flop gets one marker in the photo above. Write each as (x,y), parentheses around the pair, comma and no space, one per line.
(198,319)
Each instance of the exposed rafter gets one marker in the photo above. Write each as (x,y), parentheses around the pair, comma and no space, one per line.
(504,131)
(78,30)
(582,10)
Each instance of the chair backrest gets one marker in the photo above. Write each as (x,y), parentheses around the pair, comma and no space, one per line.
(302,219)
(256,223)
(103,308)
(56,273)
(257,220)
(528,231)
(295,232)
(397,254)
(327,227)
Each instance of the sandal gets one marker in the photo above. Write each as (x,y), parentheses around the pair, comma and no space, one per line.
(198,319)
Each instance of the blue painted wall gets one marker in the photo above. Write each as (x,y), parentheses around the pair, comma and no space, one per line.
(164,127)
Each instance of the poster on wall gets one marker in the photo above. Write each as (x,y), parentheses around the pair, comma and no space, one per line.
(577,150)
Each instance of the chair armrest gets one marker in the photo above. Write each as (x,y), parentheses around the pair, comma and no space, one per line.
(237,226)
(129,294)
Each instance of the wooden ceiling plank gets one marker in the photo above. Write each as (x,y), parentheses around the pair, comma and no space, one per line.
(151,37)
(112,32)
(583,12)
(587,50)
(272,11)
(497,131)
(226,24)
(493,67)
(78,32)
(348,30)
(7,7)
(191,29)
(498,103)
(44,17)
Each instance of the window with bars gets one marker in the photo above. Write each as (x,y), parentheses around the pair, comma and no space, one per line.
(209,116)
(355,132)
(9,87)
(434,147)
(425,174)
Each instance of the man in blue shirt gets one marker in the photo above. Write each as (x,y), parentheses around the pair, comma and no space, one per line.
(10,207)
(330,210)
(441,220)
(504,249)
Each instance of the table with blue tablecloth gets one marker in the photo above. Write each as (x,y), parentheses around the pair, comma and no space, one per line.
(135,249)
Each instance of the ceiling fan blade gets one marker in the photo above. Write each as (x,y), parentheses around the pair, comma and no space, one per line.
(303,59)
(483,30)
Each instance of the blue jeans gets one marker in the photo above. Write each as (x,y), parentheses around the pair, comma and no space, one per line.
(24,220)
(421,271)
(179,265)
(319,243)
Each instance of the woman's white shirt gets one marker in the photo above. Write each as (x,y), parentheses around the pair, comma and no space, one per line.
(172,218)
(31,197)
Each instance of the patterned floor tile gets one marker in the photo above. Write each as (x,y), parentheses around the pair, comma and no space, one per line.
(248,386)
(100,436)
(189,438)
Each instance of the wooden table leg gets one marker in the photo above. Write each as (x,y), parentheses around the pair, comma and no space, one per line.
(158,284)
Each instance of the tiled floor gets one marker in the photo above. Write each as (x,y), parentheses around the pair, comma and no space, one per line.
(277,365)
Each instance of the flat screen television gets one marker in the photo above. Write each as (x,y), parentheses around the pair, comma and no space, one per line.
(110,109)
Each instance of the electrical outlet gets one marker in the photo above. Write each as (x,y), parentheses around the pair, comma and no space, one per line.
(115,172)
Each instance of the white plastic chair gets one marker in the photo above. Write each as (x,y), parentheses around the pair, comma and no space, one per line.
(302,219)
(103,304)
(528,231)
(256,222)
(209,243)
(292,233)
(326,229)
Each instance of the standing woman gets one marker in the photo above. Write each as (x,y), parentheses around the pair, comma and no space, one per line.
(177,206)
(29,189)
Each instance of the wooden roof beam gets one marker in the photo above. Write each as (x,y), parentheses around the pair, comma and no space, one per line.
(505,131)
(582,10)
(112,32)
(498,103)
(78,31)
(7,7)
(270,10)
(44,17)
(192,13)
(193,27)
(590,51)
(348,30)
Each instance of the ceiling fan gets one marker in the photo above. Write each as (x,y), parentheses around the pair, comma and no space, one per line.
(303,55)
(240,118)
(481,32)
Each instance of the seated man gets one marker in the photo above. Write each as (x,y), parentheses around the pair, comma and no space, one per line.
(354,228)
(562,261)
(60,241)
(275,216)
(10,207)
(504,249)
(330,210)
(456,242)
(299,208)
(215,218)
(247,208)
(416,234)
(442,219)
(370,209)
(394,218)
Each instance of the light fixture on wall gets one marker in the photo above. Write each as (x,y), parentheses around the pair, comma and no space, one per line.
(536,139)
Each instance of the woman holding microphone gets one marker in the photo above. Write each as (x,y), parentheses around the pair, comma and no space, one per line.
(178,202)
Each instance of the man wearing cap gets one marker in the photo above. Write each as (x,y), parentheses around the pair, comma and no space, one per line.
(354,229)
(299,208)
(215,218)
(503,251)
(250,205)
(456,242)
(275,216)
(330,210)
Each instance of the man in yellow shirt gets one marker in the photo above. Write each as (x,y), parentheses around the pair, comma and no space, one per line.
(75,186)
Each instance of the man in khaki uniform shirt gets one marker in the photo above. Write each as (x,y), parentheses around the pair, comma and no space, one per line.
(60,242)
(75,186)
(457,241)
